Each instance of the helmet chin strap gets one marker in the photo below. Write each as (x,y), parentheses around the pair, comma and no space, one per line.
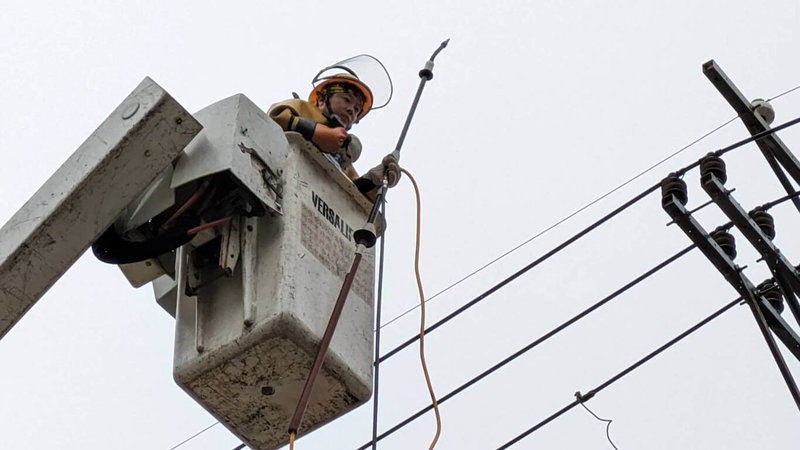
(333,119)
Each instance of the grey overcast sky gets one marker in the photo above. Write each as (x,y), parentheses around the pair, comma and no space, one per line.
(536,108)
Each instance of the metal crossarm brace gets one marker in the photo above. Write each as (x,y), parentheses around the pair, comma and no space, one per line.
(781,329)
(735,277)
(706,244)
(783,271)
(771,146)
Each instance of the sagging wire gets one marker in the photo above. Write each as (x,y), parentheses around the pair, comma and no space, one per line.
(532,345)
(783,93)
(194,435)
(569,216)
(582,233)
(622,374)
(579,210)
(553,332)
(434,402)
(607,421)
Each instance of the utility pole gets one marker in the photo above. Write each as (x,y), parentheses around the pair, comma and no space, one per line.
(757,226)
(774,150)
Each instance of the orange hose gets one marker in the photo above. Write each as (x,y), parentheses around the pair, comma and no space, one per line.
(435,403)
(204,226)
(187,204)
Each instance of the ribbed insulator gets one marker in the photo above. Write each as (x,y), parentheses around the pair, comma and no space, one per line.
(726,241)
(769,290)
(673,185)
(713,165)
(764,221)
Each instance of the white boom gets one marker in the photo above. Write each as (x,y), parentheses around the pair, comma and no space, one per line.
(62,219)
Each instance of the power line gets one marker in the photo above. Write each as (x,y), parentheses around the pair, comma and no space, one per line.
(520,272)
(569,323)
(748,140)
(579,235)
(618,376)
(576,212)
(765,206)
(194,435)
(783,93)
(533,344)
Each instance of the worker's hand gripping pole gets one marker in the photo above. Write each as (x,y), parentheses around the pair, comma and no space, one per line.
(365,238)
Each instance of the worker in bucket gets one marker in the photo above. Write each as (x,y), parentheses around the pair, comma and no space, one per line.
(338,100)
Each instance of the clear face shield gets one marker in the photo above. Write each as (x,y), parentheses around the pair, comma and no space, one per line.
(369,70)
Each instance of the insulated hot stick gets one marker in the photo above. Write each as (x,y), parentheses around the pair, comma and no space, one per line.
(365,238)
(426,74)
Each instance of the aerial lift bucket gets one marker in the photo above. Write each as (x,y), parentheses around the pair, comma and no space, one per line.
(249,323)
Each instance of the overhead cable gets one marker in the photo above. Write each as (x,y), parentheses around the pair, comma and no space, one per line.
(620,375)
(532,345)
(194,435)
(578,211)
(783,93)
(569,216)
(555,331)
(579,235)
